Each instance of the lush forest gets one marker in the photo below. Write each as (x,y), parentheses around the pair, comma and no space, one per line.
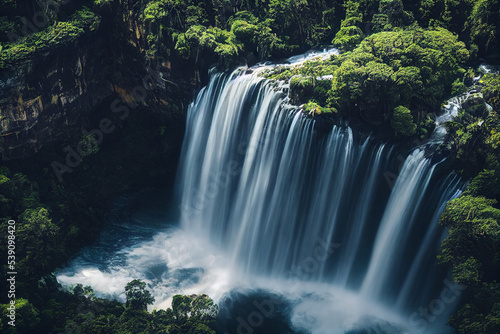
(399,62)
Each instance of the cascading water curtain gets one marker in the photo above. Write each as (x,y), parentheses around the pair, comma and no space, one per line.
(262,185)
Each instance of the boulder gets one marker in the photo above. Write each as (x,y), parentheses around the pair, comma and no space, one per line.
(475,104)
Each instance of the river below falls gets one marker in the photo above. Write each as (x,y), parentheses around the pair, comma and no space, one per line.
(143,240)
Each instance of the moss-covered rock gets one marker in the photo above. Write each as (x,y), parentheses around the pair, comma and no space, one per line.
(475,105)
(491,90)
(313,109)
(59,34)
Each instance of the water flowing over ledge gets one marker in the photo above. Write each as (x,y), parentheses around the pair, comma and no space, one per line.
(269,203)
(265,188)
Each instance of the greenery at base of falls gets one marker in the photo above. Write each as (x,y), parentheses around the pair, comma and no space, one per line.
(400,60)
(46,237)
(80,311)
(54,220)
(47,231)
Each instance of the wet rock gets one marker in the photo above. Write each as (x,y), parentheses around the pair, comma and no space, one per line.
(475,104)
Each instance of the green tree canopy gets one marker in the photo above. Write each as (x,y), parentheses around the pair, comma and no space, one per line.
(138,297)
(402,122)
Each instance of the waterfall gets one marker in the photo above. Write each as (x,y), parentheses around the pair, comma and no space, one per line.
(264,186)
(272,204)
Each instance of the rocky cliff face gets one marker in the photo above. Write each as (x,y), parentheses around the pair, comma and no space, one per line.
(51,91)
(43,96)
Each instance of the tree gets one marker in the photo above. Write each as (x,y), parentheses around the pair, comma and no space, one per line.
(204,308)
(350,34)
(482,23)
(42,241)
(486,184)
(414,68)
(472,251)
(491,91)
(181,306)
(402,122)
(138,297)
(474,232)
(27,318)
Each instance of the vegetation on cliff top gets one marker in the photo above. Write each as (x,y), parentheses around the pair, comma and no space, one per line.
(59,34)
(414,68)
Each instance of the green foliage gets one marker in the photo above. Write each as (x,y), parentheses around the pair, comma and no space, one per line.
(181,306)
(491,90)
(166,19)
(81,311)
(27,317)
(458,87)
(303,24)
(254,36)
(474,21)
(474,231)
(189,314)
(176,15)
(395,13)
(55,35)
(413,68)
(313,109)
(402,122)
(85,19)
(467,141)
(246,35)
(482,23)
(203,307)
(277,28)
(486,184)
(401,65)
(470,318)
(194,313)
(316,68)
(348,37)
(102,3)
(199,40)
(467,272)
(472,251)
(39,235)
(35,229)
(474,135)
(266,29)
(310,81)
(475,105)
(301,88)
(350,33)
(47,229)
(138,297)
